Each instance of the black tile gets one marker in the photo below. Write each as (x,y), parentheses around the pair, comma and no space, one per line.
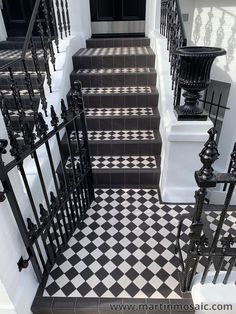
(87,305)
(42,305)
(64,305)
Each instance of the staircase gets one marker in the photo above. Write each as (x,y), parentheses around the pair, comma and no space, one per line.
(120,97)
(10,50)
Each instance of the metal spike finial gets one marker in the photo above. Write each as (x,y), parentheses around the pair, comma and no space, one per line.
(28,135)
(63,110)
(43,213)
(15,147)
(54,118)
(31,227)
(208,156)
(53,200)
(3,145)
(233,164)
(41,126)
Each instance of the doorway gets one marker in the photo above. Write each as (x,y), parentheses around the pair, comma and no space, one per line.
(16,15)
(116,18)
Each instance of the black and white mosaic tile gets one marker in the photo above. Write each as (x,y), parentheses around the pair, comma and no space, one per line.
(124,249)
(23,92)
(118,135)
(113,71)
(117,90)
(15,113)
(15,54)
(118,162)
(114,51)
(115,112)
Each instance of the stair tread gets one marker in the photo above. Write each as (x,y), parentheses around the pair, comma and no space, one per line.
(114,51)
(105,71)
(14,54)
(119,90)
(23,92)
(119,112)
(120,135)
(119,162)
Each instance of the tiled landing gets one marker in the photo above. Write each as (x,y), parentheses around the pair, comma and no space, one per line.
(123,249)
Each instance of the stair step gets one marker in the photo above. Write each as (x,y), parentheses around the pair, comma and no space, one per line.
(19,77)
(122,118)
(10,55)
(120,96)
(118,42)
(17,43)
(115,77)
(118,135)
(117,57)
(123,171)
(119,142)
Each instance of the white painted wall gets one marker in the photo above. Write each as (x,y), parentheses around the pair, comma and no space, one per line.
(21,287)
(213,23)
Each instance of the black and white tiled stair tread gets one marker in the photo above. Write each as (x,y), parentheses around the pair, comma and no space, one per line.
(118,112)
(107,71)
(117,90)
(14,54)
(119,135)
(124,249)
(119,162)
(113,51)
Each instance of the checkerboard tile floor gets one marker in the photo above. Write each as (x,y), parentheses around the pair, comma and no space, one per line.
(118,135)
(114,51)
(125,248)
(118,162)
(116,112)
(117,90)
(113,71)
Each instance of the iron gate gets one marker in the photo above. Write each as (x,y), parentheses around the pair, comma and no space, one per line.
(51,222)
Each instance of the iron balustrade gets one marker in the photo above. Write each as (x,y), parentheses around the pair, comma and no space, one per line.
(48,22)
(50,223)
(215,247)
(172,27)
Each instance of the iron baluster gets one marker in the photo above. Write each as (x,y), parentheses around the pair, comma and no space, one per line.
(79,97)
(54,24)
(42,129)
(229,270)
(65,186)
(39,76)
(80,150)
(59,18)
(45,54)
(29,86)
(32,229)
(67,16)
(49,34)
(71,155)
(45,219)
(15,92)
(63,17)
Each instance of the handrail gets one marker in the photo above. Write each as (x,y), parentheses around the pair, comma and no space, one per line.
(30,29)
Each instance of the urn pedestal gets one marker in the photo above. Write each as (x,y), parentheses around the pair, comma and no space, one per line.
(194,78)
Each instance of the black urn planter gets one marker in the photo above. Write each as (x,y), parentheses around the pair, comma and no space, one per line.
(194,77)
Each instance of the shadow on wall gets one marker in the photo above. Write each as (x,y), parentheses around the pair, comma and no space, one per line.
(216,26)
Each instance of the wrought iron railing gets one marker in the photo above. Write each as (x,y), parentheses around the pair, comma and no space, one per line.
(50,222)
(172,27)
(48,20)
(216,248)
